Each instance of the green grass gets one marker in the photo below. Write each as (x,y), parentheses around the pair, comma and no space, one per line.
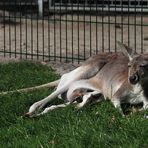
(95,126)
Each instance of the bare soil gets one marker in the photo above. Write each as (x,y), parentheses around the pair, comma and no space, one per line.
(61,38)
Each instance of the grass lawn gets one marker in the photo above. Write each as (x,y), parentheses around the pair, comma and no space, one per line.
(95,126)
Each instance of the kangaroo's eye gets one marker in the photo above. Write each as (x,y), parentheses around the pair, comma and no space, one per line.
(129,65)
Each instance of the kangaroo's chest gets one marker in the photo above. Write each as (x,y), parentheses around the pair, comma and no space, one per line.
(136,94)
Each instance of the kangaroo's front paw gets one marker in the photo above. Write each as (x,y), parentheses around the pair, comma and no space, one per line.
(145,106)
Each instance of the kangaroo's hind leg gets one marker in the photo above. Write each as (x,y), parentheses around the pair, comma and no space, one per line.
(83,85)
(63,86)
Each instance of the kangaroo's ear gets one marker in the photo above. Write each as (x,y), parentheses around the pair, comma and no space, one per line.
(126,50)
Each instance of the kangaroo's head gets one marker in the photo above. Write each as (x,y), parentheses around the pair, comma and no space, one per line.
(137,66)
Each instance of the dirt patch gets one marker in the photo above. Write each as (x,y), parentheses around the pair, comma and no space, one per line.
(63,39)
(7,60)
(59,67)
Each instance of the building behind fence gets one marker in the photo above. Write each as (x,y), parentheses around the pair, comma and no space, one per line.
(71,30)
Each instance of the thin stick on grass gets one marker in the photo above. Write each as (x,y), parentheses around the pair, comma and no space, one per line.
(31,89)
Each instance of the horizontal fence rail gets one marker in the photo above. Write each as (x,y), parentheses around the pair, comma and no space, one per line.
(114,5)
(71,30)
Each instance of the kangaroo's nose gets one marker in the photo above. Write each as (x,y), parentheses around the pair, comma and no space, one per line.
(134,79)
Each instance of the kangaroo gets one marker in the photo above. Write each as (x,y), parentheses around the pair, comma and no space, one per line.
(117,76)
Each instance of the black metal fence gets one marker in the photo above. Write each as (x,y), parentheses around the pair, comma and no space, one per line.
(71,30)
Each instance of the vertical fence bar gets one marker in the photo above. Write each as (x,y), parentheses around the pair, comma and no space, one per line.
(4,31)
(122,22)
(141,26)
(109,25)
(37,32)
(43,46)
(49,29)
(66,33)
(9,20)
(115,25)
(15,30)
(54,19)
(20,21)
(90,29)
(135,27)
(72,27)
(26,30)
(96,26)
(78,32)
(102,25)
(128,23)
(84,30)
(31,31)
(60,31)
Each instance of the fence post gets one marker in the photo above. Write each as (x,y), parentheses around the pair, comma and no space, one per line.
(40,7)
